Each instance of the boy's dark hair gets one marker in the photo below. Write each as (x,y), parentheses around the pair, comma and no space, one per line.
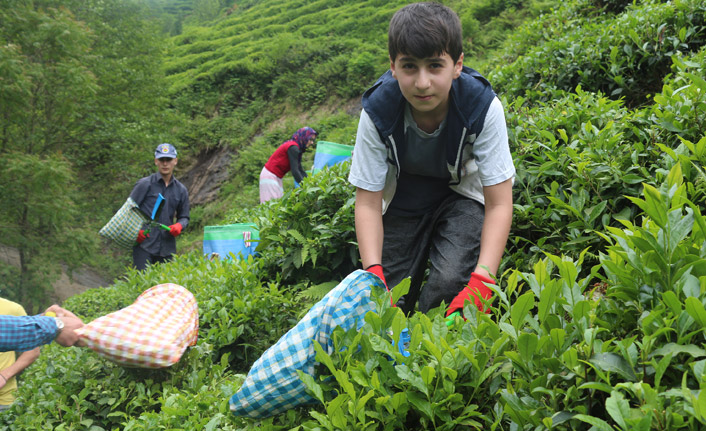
(425,30)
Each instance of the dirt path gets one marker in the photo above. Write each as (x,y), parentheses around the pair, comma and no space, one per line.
(81,280)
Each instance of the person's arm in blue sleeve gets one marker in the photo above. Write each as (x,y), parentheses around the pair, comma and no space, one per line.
(22,333)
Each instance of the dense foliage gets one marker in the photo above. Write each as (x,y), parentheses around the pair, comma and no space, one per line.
(599,315)
(82,99)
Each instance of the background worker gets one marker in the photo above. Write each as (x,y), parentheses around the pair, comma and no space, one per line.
(287,157)
(156,245)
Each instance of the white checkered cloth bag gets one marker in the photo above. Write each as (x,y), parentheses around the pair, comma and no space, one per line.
(125,225)
(152,332)
(273,386)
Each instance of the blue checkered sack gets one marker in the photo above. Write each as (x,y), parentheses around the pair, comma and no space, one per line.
(273,386)
(125,225)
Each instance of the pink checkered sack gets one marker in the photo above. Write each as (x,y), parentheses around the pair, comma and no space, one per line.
(153,332)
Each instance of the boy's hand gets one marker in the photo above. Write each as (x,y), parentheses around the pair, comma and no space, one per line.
(475,290)
(377,270)
(141,236)
(175,229)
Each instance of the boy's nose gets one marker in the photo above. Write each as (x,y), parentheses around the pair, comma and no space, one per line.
(422,81)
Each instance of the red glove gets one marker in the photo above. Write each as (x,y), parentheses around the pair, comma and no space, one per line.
(476,287)
(377,270)
(141,236)
(175,229)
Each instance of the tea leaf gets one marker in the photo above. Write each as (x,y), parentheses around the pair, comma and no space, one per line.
(405,373)
(520,310)
(527,344)
(618,408)
(613,363)
(674,349)
(696,310)
(311,384)
(598,424)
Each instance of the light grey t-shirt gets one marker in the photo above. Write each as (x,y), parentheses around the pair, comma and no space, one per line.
(424,177)
(491,163)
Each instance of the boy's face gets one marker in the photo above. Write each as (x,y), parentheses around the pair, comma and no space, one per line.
(425,82)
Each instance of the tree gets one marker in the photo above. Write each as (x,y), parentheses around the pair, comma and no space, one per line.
(82,103)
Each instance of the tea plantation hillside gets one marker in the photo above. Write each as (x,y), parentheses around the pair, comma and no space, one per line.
(599,318)
(247,80)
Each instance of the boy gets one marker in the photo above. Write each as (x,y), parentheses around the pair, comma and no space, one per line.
(431,163)
(10,363)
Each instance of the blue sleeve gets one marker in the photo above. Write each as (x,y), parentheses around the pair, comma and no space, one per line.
(22,333)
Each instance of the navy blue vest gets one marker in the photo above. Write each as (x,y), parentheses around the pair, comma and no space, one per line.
(469,100)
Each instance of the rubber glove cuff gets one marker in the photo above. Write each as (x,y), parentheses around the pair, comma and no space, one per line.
(377,270)
(473,292)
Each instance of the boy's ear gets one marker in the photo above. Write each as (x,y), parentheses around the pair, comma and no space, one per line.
(392,68)
(458,66)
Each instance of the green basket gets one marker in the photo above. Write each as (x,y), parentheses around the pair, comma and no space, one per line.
(123,228)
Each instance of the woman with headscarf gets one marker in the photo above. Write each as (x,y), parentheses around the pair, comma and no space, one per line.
(288,157)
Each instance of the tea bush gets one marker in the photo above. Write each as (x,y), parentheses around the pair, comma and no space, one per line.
(679,110)
(574,168)
(577,166)
(558,351)
(598,318)
(624,57)
(308,235)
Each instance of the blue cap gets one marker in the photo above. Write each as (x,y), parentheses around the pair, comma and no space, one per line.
(165,151)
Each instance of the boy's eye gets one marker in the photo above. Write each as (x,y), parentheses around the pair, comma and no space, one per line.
(408,65)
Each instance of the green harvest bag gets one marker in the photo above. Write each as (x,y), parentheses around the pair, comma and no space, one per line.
(123,228)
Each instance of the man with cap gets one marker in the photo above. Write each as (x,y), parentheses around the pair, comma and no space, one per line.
(157,245)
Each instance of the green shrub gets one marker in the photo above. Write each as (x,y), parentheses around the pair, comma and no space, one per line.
(679,111)
(574,168)
(558,351)
(626,57)
(308,235)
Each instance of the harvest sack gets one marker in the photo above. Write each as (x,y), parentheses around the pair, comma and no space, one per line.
(273,386)
(125,225)
(153,332)
(330,153)
(241,239)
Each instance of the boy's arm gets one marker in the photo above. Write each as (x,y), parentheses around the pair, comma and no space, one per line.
(496,227)
(24,360)
(368,226)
